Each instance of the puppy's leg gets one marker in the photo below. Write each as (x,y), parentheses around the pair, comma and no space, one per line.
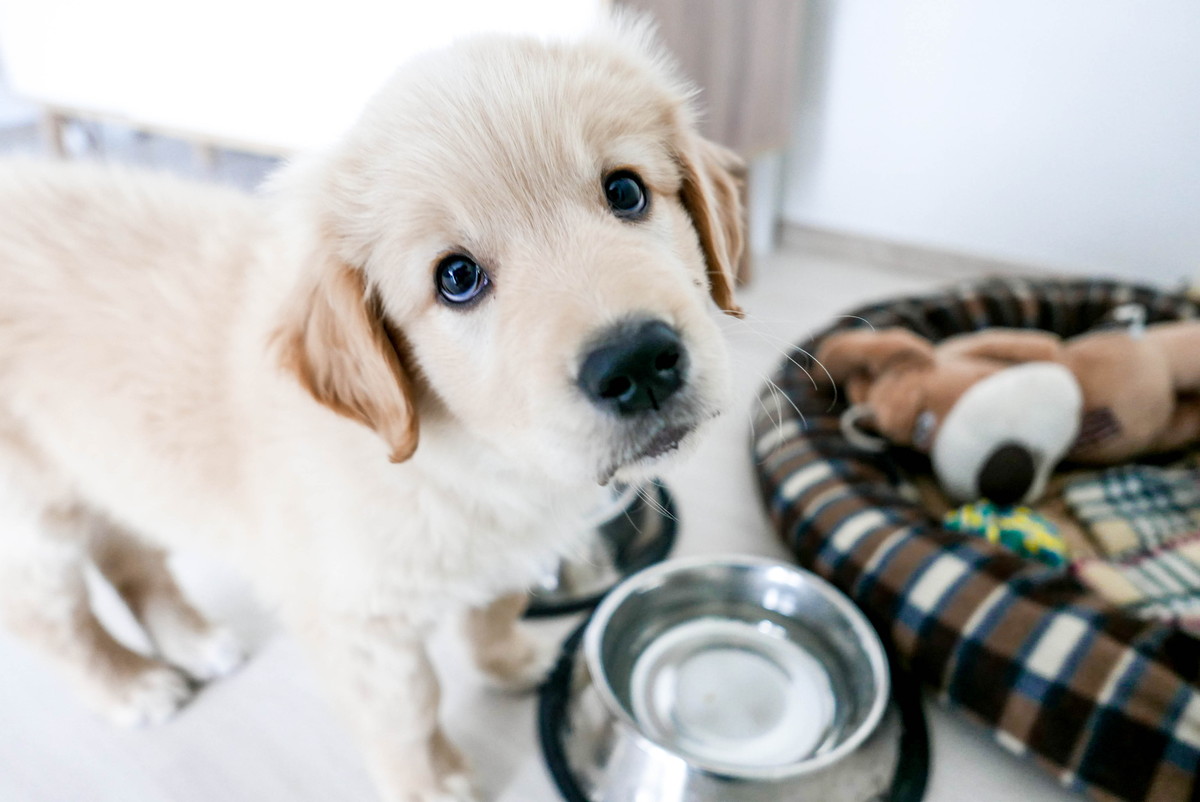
(44,600)
(503,649)
(180,634)
(379,671)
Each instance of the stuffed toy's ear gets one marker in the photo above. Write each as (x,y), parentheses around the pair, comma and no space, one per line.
(857,358)
(1005,345)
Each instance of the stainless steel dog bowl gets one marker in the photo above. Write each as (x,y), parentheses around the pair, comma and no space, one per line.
(729,680)
(631,528)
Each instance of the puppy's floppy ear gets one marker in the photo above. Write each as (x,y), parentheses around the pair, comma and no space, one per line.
(851,356)
(336,342)
(713,178)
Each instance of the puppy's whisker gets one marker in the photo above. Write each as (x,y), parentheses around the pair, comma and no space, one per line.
(646,494)
(774,390)
(778,421)
(631,520)
(794,347)
(828,375)
(774,342)
(776,394)
(779,393)
(870,325)
(759,398)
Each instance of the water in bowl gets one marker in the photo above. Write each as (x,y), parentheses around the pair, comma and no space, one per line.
(741,693)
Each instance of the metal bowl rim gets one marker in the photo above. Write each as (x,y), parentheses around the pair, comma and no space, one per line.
(647,578)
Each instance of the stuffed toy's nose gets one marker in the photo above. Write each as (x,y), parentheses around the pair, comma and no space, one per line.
(1007,474)
(1006,433)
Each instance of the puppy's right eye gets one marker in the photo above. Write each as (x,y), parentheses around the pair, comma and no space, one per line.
(460,279)
(626,195)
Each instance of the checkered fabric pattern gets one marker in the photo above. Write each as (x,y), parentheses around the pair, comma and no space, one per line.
(1136,508)
(1162,583)
(1106,702)
(1145,523)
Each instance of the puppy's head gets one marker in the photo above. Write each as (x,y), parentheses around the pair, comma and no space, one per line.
(525,240)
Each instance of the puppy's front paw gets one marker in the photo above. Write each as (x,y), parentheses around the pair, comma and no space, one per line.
(150,697)
(209,655)
(522,665)
(457,788)
(453,788)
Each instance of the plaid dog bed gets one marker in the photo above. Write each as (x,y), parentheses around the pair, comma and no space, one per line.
(1105,701)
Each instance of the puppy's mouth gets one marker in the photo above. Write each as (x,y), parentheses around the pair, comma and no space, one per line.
(661,443)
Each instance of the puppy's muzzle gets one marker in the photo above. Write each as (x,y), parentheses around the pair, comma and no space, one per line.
(635,368)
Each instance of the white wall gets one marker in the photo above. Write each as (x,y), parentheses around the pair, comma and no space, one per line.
(274,75)
(1064,133)
(14,111)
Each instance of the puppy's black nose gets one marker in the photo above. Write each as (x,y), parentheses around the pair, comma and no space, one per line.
(1007,475)
(636,368)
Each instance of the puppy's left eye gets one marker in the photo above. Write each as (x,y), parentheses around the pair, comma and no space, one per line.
(626,194)
(460,279)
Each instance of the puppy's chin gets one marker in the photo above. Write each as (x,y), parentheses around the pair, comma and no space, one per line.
(665,448)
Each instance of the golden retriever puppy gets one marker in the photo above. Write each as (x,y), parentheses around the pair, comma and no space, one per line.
(383,390)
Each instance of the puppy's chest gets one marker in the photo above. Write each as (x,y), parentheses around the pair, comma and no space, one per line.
(441,546)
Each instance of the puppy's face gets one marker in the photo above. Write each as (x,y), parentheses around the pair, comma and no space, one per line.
(530,235)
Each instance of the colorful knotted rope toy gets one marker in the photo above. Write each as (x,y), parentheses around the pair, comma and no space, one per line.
(1019,529)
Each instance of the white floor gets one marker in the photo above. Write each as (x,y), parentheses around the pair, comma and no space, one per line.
(265,733)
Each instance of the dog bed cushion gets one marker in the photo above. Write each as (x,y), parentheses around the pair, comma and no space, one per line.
(1105,701)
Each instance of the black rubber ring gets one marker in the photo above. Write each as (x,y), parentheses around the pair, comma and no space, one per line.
(552,715)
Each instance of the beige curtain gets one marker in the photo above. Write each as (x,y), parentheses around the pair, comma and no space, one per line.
(743,55)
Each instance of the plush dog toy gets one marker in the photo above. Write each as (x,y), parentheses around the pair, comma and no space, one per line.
(998,409)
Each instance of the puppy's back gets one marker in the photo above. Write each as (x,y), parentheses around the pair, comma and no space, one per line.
(93,234)
(118,293)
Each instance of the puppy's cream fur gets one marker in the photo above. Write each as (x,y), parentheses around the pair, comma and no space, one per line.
(277,380)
